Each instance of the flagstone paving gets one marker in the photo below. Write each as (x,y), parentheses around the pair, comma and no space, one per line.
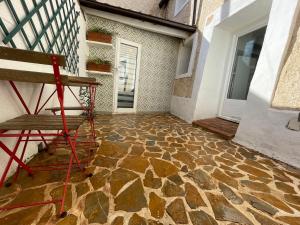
(157,169)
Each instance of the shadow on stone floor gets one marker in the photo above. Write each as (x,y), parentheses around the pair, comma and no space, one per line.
(157,169)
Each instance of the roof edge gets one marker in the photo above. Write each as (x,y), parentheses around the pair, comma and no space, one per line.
(136,15)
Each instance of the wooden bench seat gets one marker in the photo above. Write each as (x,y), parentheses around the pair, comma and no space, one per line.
(66,108)
(41,122)
(45,78)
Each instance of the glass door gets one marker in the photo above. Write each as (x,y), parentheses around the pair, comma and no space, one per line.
(127,76)
(247,52)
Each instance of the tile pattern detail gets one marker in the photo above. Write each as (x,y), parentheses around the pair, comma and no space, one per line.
(157,69)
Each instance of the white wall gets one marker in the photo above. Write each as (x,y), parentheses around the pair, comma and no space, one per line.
(263,128)
(207,89)
(10,105)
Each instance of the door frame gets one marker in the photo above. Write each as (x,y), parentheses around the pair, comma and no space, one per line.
(116,76)
(228,69)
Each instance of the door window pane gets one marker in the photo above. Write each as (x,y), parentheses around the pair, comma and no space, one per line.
(245,61)
(127,75)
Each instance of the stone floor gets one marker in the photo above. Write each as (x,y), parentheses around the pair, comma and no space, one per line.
(157,169)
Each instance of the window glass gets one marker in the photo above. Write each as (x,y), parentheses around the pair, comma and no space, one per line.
(245,60)
(179,5)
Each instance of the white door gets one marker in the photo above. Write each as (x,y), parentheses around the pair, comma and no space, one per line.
(126,78)
(245,55)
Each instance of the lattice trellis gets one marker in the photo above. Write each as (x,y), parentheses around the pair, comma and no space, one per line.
(48,25)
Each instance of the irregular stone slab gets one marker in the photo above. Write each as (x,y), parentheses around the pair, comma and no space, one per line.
(135,163)
(156,206)
(227,168)
(150,143)
(202,218)
(219,175)
(259,204)
(132,199)
(224,211)
(153,222)
(163,168)
(119,178)
(192,196)
(176,179)
(289,220)
(257,186)
(96,207)
(285,187)
(40,178)
(99,179)
(185,158)
(225,161)
(294,199)
(293,172)
(280,175)
(44,220)
(22,217)
(56,193)
(177,164)
(176,145)
(176,210)
(137,150)
(255,164)
(268,162)
(163,143)
(254,171)
(274,201)
(114,137)
(297,207)
(172,190)
(78,176)
(230,157)
(167,156)
(150,181)
(105,161)
(81,189)
(230,194)
(31,195)
(137,220)
(201,179)
(206,160)
(8,191)
(234,174)
(118,221)
(155,138)
(153,149)
(260,179)
(68,220)
(113,149)
(184,169)
(152,155)
(247,153)
(263,219)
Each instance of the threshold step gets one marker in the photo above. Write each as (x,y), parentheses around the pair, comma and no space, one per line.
(224,128)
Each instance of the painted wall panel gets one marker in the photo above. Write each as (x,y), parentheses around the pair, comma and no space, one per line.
(157,71)
(287,94)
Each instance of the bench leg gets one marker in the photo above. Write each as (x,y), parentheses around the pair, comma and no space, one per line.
(22,156)
(13,156)
(62,212)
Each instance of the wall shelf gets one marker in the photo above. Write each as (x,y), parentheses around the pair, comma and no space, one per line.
(96,43)
(99,73)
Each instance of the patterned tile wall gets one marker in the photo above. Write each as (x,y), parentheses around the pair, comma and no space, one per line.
(158,66)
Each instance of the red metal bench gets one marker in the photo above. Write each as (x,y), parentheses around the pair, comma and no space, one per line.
(33,126)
